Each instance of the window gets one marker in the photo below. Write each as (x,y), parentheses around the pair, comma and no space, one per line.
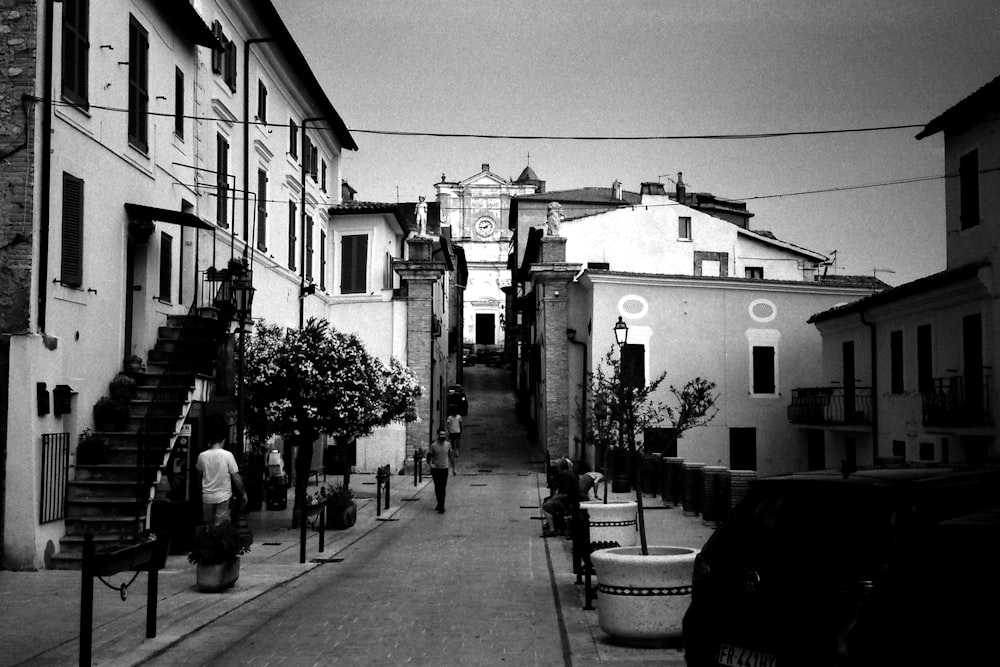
(309,248)
(353,264)
(763,370)
(293,139)
(306,153)
(76,50)
(754,272)
(925,377)
(138,81)
(292,217)
(72,231)
(896,362)
(322,179)
(683,229)
(322,260)
(968,180)
(221,181)
(224,60)
(179,102)
(166,265)
(261,209)
(261,102)
(314,162)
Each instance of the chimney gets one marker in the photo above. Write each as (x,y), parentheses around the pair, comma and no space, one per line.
(616,190)
(681,188)
(486,166)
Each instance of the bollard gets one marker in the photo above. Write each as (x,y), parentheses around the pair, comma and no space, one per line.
(418,465)
(87,600)
(322,527)
(388,483)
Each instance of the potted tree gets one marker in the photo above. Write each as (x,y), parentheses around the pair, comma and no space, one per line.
(134,365)
(342,391)
(216,553)
(644,589)
(341,511)
(110,414)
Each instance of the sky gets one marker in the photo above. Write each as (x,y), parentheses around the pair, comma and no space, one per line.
(668,68)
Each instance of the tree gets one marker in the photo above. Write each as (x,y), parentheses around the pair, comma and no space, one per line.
(301,383)
(620,411)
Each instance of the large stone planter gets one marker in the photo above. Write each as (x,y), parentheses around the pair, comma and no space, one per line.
(218,577)
(642,599)
(612,524)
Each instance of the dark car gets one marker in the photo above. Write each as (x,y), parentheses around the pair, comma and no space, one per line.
(458,402)
(819,569)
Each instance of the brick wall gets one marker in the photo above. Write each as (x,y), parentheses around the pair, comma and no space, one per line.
(18,54)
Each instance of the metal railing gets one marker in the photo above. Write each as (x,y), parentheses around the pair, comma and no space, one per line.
(193,350)
(831,405)
(55,475)
(954,401)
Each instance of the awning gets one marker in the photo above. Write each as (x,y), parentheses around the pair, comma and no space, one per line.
(138,212)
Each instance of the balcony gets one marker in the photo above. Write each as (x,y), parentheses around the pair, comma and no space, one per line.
(955,402)
(831,406)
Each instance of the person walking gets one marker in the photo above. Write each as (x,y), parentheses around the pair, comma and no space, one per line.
(564,501)
(220,476)
(455,435)
(440,457)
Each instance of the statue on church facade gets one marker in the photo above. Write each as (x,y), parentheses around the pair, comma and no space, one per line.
(422,217)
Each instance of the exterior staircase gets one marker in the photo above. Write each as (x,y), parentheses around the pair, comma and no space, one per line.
(111,500)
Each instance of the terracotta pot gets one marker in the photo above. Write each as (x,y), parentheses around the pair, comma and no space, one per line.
(642,599)
(612,524)
(218,577)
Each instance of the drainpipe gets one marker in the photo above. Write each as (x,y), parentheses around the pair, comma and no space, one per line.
(874,371)
(46,166)
(302,214)
(246,136)
(571,336)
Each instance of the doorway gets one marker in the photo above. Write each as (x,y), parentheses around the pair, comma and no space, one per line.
(743,448)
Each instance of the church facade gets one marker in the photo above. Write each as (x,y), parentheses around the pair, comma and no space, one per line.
(477,210)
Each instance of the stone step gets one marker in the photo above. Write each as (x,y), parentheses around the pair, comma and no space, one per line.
(100,525)
(92,489)
(123,507)
(118,471)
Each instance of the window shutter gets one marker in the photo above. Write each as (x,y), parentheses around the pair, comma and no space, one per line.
(322,260)
(354,254)
(261,209)
(292,216)
(72,231)
(309,247)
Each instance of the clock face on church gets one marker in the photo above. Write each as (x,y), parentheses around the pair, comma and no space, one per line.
(485,227)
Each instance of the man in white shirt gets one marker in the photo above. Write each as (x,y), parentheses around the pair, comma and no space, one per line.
(455,435)
(220,476)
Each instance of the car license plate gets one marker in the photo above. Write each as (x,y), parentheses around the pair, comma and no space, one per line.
(734,656)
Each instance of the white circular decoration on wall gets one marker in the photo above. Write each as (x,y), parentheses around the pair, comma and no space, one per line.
(763,310)
(633,306)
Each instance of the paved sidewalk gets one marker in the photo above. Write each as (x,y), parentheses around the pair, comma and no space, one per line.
(41,610)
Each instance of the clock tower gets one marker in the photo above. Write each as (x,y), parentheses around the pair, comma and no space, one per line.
(477,210)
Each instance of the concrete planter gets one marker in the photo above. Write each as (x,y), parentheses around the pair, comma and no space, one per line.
(217,577)
(612,524)
(642,599)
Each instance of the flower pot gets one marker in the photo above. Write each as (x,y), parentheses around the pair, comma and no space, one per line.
(217,577)
(612,524)
(339,517)
(642,599)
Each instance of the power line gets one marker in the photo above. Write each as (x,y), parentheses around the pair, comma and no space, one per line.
(526,137)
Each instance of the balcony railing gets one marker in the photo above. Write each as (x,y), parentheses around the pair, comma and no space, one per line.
(831,405)
(956,402)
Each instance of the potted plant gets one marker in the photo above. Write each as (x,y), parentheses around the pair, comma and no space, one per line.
(134,365)
(110,414)
(92,449)
(644,590)
(342,511)
(123,387)
(216,553)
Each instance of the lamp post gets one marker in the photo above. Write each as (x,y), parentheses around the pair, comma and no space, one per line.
(243,291)
(626,385)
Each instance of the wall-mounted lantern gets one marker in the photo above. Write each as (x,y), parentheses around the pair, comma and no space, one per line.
(62,399)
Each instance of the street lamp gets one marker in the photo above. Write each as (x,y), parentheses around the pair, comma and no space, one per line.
(621,332)
(243,291)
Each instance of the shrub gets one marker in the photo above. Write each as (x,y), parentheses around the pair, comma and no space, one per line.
(215,545)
